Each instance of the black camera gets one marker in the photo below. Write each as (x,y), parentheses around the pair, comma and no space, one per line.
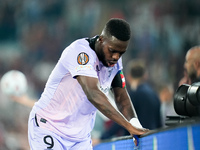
(187,100)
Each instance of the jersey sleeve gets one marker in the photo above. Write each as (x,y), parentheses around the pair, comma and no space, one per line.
(79,59)
(119,80)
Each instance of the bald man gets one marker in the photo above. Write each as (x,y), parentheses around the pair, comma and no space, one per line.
(192,66)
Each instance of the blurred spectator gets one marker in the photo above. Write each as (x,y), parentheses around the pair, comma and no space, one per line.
(166,92)
(144,98)
(191,66)
(13,127)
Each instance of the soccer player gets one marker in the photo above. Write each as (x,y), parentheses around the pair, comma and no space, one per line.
(64,116)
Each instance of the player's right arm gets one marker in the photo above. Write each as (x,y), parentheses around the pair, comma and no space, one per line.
(92,90)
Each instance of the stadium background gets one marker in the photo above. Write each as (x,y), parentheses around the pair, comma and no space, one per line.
(34,33)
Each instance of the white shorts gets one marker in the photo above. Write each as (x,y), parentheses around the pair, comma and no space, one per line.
(41,139)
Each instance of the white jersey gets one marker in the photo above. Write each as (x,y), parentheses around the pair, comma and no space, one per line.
(63,107)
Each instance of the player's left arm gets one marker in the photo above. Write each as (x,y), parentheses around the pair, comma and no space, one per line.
(122,98)
(124,103)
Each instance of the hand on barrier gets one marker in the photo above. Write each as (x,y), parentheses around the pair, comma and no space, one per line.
(136,123)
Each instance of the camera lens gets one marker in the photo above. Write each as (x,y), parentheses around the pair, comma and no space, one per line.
(193,94)
(180,100)
(182,105)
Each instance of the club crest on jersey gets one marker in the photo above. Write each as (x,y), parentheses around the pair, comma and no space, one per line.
(82,58)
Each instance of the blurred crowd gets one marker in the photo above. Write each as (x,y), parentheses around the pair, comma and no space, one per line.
(33,34)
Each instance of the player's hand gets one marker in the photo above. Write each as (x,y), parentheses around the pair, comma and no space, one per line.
(137,136)
(137,130)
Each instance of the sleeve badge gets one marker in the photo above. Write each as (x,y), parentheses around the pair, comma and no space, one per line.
(82,58)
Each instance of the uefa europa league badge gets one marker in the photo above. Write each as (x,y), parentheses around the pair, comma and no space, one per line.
(82,58)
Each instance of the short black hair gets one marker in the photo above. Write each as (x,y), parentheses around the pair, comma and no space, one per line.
(118,28)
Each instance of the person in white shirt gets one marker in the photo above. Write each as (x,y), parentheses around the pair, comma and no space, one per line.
(64,115)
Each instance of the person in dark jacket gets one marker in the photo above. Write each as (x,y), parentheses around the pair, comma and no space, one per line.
(146,101)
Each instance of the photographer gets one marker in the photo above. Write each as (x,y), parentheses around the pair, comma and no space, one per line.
(187,96)
(191,66)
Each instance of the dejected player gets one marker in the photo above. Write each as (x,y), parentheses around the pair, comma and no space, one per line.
(64,116)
